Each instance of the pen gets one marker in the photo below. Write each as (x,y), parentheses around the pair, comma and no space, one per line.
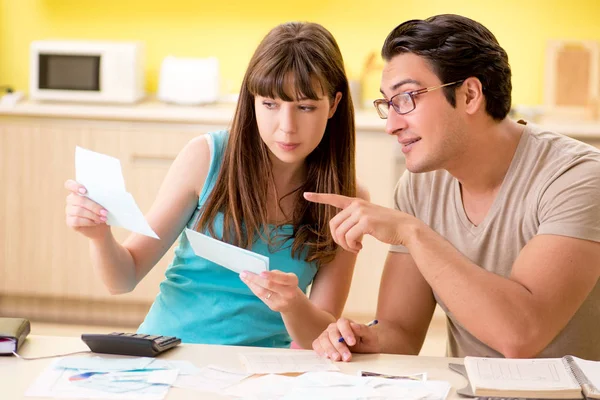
(374,322)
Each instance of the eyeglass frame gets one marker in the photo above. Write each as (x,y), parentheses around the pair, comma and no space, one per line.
(411,95)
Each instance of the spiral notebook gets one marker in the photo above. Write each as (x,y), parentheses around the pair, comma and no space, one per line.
(542,378)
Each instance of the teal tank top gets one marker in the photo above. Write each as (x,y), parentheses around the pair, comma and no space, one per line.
(203,302)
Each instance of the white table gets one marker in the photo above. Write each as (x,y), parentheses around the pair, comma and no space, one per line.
(17,375)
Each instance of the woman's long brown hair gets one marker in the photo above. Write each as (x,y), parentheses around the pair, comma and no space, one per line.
(310,54)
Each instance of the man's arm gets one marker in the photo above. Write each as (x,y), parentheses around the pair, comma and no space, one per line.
(549,281)
(405,306)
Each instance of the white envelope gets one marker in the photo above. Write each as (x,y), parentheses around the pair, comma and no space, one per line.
(225,254)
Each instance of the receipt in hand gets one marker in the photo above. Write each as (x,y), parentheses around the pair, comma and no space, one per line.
(102,177)
(225,254)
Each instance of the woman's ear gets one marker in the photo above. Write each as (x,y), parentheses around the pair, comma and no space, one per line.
(336,101)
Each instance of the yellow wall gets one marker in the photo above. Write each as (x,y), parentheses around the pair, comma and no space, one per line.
(231,29)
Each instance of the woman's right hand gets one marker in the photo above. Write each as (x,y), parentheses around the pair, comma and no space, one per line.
(83,214)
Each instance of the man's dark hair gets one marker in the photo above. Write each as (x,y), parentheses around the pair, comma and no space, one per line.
(457,48)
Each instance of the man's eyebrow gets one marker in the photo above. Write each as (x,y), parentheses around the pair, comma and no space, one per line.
(397,85)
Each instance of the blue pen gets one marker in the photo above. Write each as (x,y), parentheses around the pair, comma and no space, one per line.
(374,322)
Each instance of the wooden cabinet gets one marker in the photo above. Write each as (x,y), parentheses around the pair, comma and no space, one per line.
(34,160)
(572,80)
(45,272)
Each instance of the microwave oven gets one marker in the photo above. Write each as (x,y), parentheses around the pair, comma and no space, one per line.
(86,71)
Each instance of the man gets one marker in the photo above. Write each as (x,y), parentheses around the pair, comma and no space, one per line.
(495,220)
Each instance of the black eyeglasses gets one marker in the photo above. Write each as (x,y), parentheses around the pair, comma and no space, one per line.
(403,103)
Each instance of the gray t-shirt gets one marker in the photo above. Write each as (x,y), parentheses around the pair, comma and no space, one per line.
(551,187)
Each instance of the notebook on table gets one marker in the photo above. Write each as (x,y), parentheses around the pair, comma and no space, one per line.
(541,378)
(13,332)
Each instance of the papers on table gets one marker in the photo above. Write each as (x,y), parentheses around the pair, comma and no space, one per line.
(104,378)
(102,177)
(184,367)
(263,387)
(117,377)
(335,385)
(421,376)
(320,383)
(210,379)
(163,376)
(87,377)
(103,363)
(229,256)
(274,363)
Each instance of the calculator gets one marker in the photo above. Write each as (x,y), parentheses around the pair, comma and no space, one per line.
(129,344)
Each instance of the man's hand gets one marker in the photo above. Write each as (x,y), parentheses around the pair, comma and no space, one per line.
(359,217)
(343,337)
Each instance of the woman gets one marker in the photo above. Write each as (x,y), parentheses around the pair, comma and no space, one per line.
(293,131)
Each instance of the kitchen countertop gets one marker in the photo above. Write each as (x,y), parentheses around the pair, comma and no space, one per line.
(155,111)
(219,114)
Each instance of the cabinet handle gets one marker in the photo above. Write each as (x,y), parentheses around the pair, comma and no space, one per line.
(151,159)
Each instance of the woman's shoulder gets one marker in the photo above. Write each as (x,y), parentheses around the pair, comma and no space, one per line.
(197,149)
(194,160)
(204,145)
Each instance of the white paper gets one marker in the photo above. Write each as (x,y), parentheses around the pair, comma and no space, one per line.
(266,386)
(163,376)
(421,376)
(337,393)
(184,367)
(518,374)
(227,255)
(338,379)
(99,169)
(334,385)
(58,383)
(103,179)
(96,363)
(210,379)
(407,389)
(274,363)
(330,379)
(591,369)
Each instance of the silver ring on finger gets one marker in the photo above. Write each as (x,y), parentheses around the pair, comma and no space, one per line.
(268,296)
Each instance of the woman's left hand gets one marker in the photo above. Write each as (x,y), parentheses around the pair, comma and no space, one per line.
(278,290)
